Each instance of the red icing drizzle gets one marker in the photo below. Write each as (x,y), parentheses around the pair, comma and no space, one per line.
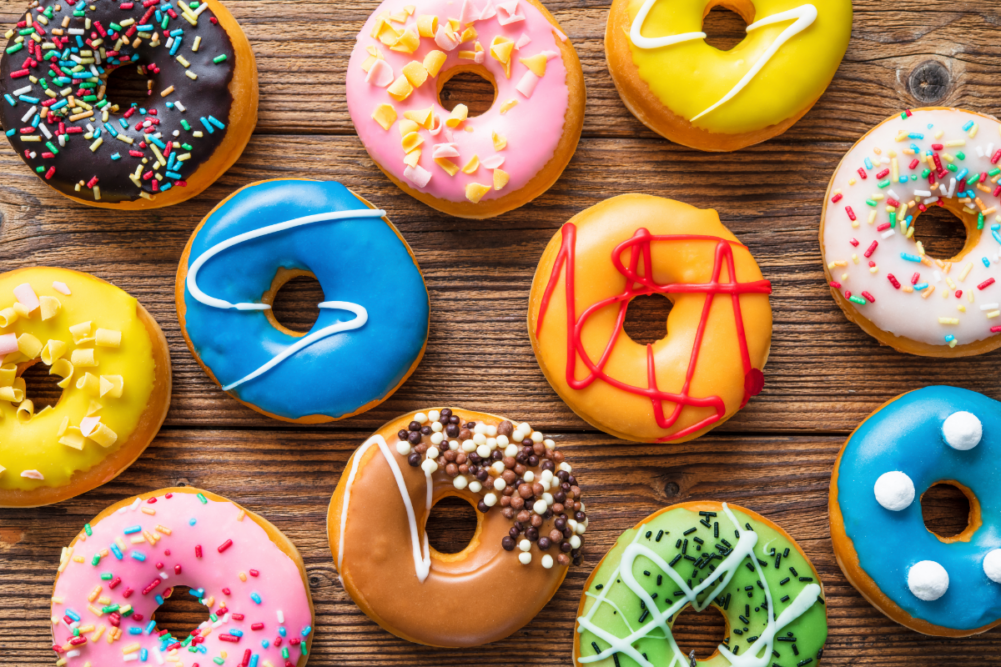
(640,284)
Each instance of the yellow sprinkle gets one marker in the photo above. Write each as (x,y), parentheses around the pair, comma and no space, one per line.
(111,386)
(423,117)
(472,165)
(501,178)
(413,158)
(447,165)
(50,306)
(475,191)
(458,115)
(198,42)
(408,41)
(83,357)
(412,141)
(94,610)
(400,89)
(148,510)
(191,75)
(97,633)
(500,142)
(507,106)
(966,271)
(407,126)
(433,62)
(385,115)
(130,648)
(427,25)
(948,320)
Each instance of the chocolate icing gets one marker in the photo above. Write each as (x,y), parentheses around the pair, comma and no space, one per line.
(208,95)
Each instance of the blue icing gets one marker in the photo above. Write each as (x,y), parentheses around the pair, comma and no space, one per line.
(906,435)
(357,260)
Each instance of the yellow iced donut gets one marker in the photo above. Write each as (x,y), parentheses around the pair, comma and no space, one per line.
(115,369)
(697,95)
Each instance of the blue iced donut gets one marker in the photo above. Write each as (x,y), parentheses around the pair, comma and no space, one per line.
(945,586)
(373,323)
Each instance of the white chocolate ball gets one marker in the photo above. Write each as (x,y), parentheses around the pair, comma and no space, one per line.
(928,580)
(962,431)
(894,491)
(992,565)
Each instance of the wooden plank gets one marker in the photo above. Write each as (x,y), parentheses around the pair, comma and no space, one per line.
(785,479)
(824,374)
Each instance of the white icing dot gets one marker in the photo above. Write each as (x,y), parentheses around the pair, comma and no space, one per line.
(928,580)
(525,558)
(962,431)
(992,566)
(429,466)
(403,448)
(547,561)
(894,491)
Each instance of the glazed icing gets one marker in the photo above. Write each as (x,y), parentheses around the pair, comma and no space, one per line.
(644,261)
(643,583)
(118,570)
(58,120)
(531,129)
(377,517)
(44,449)
(774,73)
(906,435)
(876,260)
(364,341)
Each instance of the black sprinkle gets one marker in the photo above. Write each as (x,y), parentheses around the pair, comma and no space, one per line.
(748,526)
(748,588)
(675,560)
(615,658)
(648,534)
(751,639)
(784,581)
(716,529)
(689,531)
(744,619)
(750,567)
(595,646)
(821,601)
(760,585)
(785,639)
(678,594)
(795,651)
(660,579)
(785,554)
(599,587)
(697,540)
(643,616)
(660,534)
(784,599)
(646,573)
(806,578)
(738,631)
(726,544)
(684,547)
(804,662)
(794,572)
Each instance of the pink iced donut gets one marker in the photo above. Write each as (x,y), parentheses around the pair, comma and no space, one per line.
(116,573)
(473,167)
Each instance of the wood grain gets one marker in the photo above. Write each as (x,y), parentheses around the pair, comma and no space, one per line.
(775,457)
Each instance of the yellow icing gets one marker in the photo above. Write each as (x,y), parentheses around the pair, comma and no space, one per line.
(691,76)
(34,443)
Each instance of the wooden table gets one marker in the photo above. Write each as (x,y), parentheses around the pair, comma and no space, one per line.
(775,457)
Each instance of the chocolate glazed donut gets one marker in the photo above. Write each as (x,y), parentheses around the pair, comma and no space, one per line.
(530,526)
(200,110)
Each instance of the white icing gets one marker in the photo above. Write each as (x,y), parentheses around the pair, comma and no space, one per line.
(894,491)
(802,17)
(992,565)
(758,654)
(927,580)
(361,315)
(962,430)
(422,555)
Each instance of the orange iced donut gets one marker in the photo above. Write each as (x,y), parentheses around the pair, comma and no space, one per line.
(718,331)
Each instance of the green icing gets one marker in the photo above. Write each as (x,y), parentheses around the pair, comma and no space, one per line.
(612,607)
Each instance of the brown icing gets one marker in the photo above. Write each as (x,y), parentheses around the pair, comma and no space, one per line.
(486,586)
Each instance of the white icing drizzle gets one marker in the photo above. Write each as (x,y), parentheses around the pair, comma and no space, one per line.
(758,654)
(361,315)
(802,17)
(422,555)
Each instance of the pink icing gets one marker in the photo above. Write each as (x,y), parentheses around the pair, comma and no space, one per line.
(270,575)
(532,129)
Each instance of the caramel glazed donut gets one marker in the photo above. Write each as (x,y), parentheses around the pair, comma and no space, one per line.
(202,107)
(530,523)
(719,329)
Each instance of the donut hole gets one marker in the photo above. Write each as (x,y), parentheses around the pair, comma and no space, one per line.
(41,388)
(699,631)
(943,234)
(725,26)
(950,511)
(646,318)
(451,525)
(180,613)
(295,296)
(472,85)
(127,86)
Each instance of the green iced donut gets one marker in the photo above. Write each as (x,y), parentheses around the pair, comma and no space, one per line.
(703,554)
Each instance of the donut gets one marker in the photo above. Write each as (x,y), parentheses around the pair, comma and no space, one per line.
(530,525)
(96,150)
(471,167)
(943,586)
(373,323)
(120,568)
(699,96)
(718,331)
(699,555)
(878,270)
(114,366)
